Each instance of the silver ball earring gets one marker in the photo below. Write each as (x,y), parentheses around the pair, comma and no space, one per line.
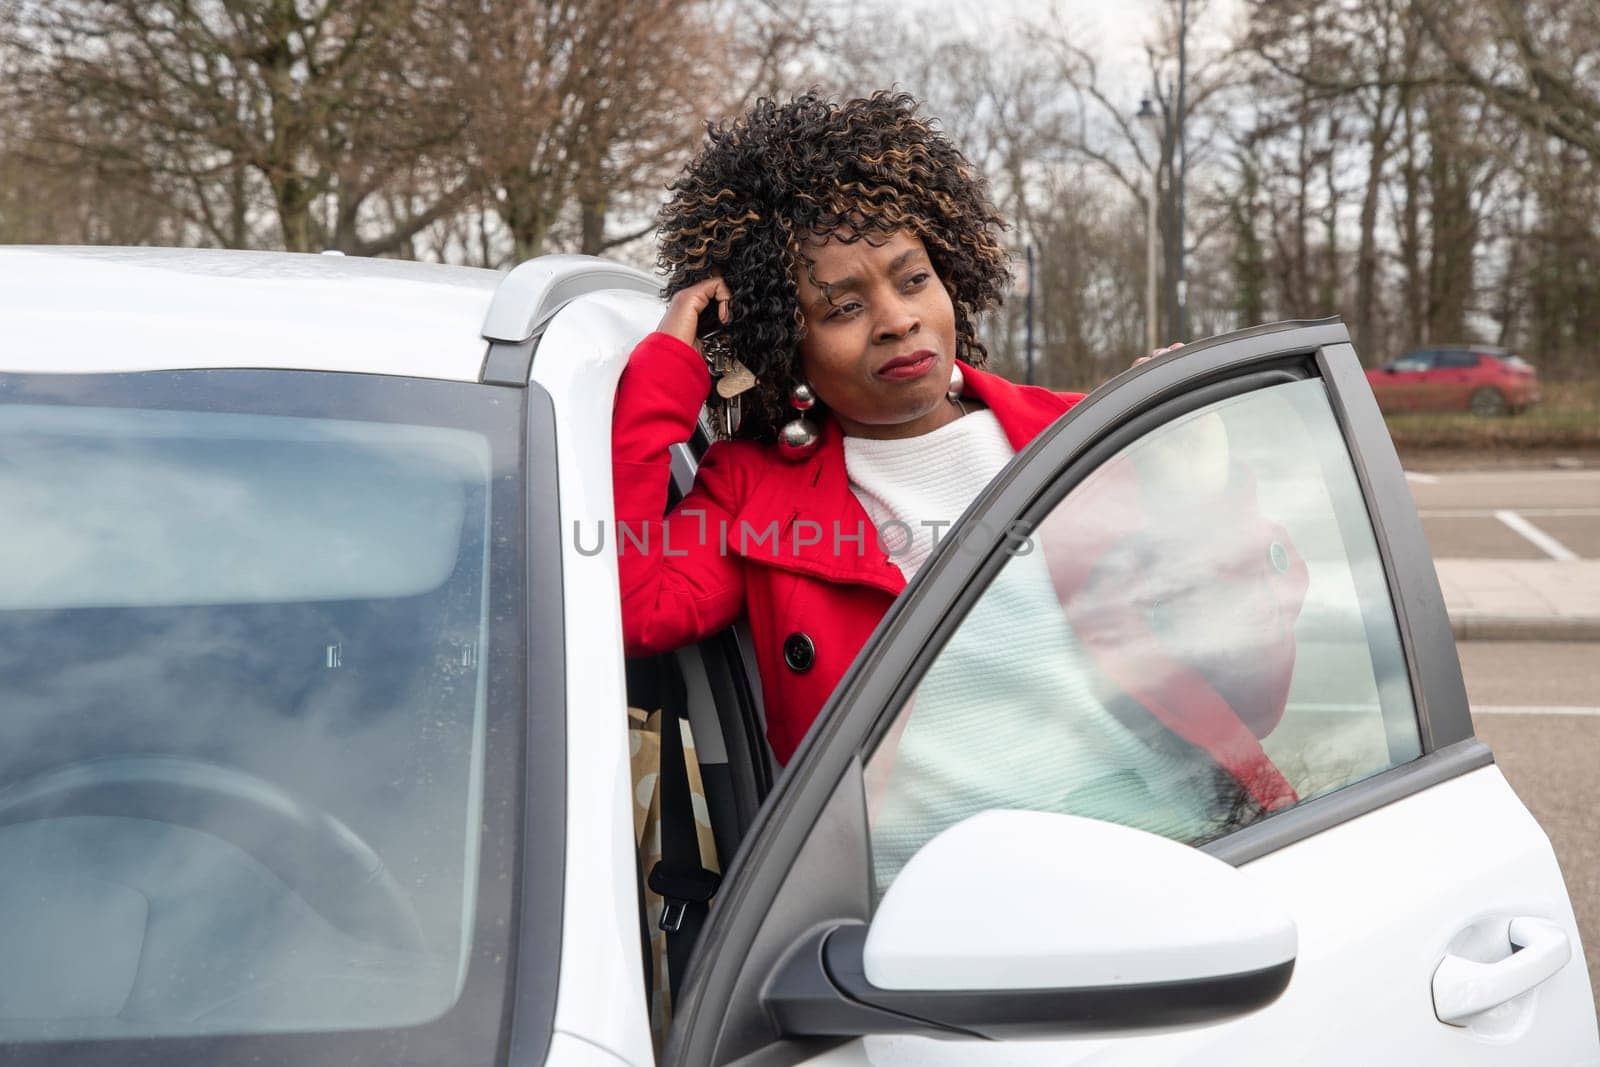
(958,382)
(799,437)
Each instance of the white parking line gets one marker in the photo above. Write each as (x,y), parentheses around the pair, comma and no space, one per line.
(1423,479)
(1477,709)
(1520,476)
(1541,540)
(1484,513)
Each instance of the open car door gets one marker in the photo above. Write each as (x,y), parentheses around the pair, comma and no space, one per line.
(1164,757)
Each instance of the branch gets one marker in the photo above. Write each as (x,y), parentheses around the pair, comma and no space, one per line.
(446,204)
(622,239)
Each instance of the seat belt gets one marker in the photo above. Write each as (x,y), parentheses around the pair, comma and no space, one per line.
(685,887)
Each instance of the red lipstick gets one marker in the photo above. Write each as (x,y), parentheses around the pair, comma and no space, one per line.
(905,368)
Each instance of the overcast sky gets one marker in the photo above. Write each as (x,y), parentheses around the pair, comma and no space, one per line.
(1115,31)
(1113,28)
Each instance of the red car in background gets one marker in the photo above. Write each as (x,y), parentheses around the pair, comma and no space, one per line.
(1481,379)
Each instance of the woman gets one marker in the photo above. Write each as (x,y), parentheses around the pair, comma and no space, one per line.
(838,256)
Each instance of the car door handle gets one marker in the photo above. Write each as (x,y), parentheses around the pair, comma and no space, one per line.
(1463,988)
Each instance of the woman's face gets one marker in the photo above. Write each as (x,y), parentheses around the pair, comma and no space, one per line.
(879,354)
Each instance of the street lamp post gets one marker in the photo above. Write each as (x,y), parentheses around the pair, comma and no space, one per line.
(1152,337)
(1183,169)
(1028,301)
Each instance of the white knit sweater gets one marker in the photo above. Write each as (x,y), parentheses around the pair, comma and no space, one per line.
(924,481)
(1006,716)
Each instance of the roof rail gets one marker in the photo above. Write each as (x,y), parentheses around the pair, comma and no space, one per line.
(529,297)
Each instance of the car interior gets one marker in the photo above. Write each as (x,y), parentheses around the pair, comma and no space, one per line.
(224,812)
(713,685)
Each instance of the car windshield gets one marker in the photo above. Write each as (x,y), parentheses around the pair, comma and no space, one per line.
(248,623)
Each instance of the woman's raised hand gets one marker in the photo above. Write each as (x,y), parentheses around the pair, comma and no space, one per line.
(1174,346)
(682,319)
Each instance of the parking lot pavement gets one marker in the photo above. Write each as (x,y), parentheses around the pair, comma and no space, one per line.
(1542,488)
(1538,706)
(1521,599)
(1532,514)
(1517,552)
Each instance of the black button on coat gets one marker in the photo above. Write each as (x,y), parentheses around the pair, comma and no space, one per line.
(799,653)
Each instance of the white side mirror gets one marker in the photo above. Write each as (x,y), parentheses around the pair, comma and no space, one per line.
(1031,900)
(1018,922)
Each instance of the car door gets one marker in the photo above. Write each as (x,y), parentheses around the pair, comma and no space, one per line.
(1410,388)
(1384,382)
(1182,677)
(1454,377)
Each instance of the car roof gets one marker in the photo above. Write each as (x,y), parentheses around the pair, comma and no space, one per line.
(66,309)
(1487,350)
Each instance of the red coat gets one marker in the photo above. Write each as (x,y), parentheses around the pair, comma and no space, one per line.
(756,535)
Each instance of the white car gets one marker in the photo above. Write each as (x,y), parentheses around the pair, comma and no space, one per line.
(313,744)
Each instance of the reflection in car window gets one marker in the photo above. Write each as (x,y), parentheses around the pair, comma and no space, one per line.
(1199,634)
(244,666)
(1412,362)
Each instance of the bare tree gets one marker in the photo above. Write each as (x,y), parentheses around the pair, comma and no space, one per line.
(400,127)
(1538,60)
(289,113)
(1421,166)
(1129,152)
(1368,56)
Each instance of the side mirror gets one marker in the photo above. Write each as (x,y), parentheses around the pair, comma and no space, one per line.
(1015,922)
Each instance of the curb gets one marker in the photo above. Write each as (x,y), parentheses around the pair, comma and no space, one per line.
(1478,626)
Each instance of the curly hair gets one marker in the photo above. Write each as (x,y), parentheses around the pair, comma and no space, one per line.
(783,174)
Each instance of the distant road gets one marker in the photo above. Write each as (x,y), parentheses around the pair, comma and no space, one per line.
(1535,514)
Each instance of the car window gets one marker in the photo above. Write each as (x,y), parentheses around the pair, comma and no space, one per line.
(244,662)
(1199,633)
(1457,360)
(1413,361)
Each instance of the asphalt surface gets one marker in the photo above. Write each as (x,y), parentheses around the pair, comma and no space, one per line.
(1538,706)
(1531,514)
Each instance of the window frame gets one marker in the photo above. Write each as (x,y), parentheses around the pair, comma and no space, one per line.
(1432,666)
(819,800)
(1427,359)
(1457,359)
(526,651)
(728,658)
